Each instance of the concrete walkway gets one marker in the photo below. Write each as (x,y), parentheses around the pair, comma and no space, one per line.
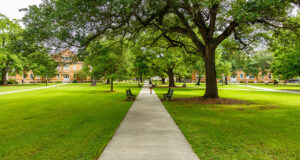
(148,133)
(31,89)
(273,90)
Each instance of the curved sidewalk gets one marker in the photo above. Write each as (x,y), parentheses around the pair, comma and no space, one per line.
(31,89)
(148,133)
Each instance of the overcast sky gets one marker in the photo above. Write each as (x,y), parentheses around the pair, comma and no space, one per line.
(10,8)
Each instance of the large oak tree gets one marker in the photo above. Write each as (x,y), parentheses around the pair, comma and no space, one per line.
(204,23)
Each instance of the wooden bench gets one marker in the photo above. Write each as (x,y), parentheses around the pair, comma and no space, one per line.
(169,94)
(183,85)
(129,94)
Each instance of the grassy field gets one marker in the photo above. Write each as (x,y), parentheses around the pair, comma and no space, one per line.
(266,128)
(73,121)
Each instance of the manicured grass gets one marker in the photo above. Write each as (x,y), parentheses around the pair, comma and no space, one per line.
(268,129)
(16,87)
(73,121)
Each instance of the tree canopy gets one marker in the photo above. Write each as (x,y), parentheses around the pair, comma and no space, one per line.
(196,26)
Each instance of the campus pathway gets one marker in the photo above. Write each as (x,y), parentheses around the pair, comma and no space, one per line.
(148,133)
(273,90)
(31,89)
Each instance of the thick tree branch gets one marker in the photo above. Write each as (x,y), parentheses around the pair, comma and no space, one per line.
(226,33)
(158,14)
(195,13)
(190,32)
(212,22)
(179,44)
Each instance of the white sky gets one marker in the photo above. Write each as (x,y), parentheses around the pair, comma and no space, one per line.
(10,8)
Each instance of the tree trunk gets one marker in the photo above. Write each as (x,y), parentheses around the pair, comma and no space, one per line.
(285,82)
(94,82)
(199,80)
(171,77)
(211,90)
(111,85)
(4,76)
(141,78)
(108,81)
(226,80)
(163,80)
(46,80)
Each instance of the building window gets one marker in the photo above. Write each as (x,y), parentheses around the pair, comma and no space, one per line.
(270,76)
(66,67)
(38,77)
(58,67)
(66,77)
(31,76)
(252,76)
(57,76)
(24,75)
(233,76)
(74,67)
(65,58)
(242,76)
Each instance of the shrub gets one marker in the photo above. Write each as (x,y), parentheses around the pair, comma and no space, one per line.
(58,82)
(75,81)
(250,81)
(11,81)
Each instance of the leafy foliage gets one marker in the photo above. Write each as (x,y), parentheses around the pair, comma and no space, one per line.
(109,61)
(286,48)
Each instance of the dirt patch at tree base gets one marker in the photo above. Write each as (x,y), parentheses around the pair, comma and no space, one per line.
(202,100)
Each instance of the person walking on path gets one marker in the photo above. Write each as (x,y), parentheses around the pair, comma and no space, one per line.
(150,86)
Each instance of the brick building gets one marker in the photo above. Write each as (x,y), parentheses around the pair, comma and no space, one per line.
(66,71)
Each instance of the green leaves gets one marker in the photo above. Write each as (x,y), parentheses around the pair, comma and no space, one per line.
(112,61)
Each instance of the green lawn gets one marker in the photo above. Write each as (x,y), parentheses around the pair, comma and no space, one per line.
(23,86)
(73,121)
(268,129)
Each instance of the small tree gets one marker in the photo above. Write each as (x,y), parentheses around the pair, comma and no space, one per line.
(41,63)
(170,61)
(10,61)
(109,61)
(286,49)
(200,69)
(223,67)
(81,75)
